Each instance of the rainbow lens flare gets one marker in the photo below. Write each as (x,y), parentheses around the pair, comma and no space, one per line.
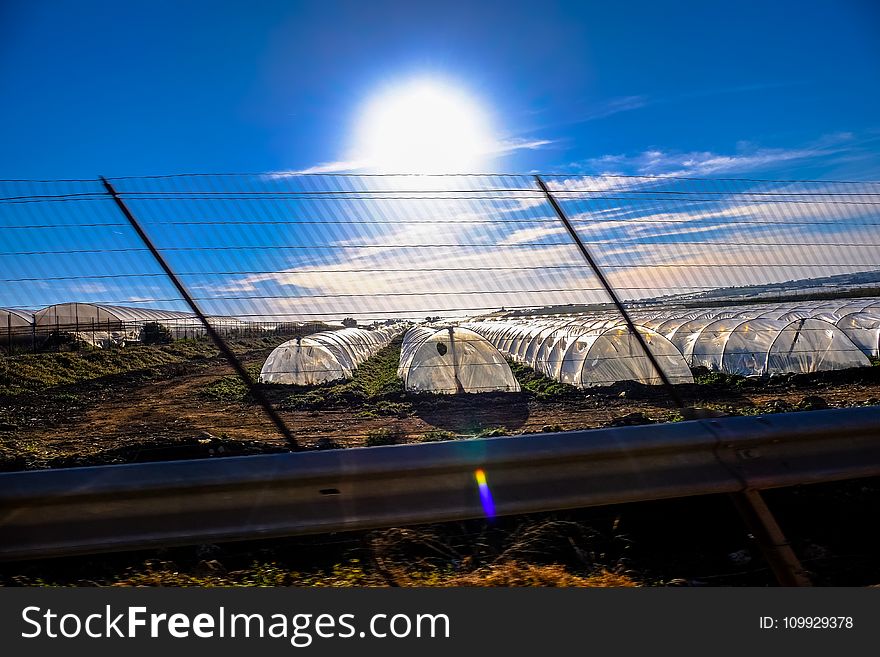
(485,493)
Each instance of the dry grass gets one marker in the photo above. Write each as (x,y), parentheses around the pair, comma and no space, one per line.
(507,574)
(546,553)
(514,573)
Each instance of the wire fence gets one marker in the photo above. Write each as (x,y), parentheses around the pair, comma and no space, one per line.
(284,248)
(105,263)
(108,262)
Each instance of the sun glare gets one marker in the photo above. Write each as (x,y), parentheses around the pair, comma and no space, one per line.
(423,126)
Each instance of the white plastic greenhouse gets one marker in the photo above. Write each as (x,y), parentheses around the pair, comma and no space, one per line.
(452,360)
(748,340)
(754,347)
(605,356)
(753,340)
(325,356)
(100,324)
(586,351)
(863,328)
(16,328)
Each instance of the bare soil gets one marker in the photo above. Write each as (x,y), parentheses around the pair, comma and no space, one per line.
(197,409)
(163,412)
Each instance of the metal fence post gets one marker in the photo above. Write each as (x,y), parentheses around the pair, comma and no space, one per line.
(610,291)
(751,506)
(224,348)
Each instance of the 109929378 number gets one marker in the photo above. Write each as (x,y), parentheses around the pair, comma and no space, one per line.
(806,623)
(817,622)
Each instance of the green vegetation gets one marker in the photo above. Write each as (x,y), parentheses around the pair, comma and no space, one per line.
(511,552)
(542,387)
(492,432)
(231,388)
(155,333)
(36,372)
(808,403)
(384,436)
(703,376)
(552,428)
(437,435)
(384,408)
(209,574)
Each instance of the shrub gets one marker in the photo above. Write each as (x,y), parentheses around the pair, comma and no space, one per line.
(384,436)
(552,428)
(542,387)
(491,432)
(227,389)
(436,435)
(155,333)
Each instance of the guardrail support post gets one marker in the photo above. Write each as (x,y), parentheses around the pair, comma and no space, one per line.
(777,550)
(754,511)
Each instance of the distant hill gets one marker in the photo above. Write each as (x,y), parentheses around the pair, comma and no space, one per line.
(841,286)
(826,287)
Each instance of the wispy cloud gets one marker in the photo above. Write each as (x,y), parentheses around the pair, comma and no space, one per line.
(531,235)
(746,157)
(593,110)
(496,148)
(338,166)
(505,146)
(615,106)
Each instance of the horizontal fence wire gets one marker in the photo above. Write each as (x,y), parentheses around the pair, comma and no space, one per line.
(273,258)
(302,248)
(278,247)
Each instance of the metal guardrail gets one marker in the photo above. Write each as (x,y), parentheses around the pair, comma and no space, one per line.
(111,508)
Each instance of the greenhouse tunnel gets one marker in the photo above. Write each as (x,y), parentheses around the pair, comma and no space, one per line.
(604,356)
(103,325)
(452,360)
(323,357)
(586,351)
(755,339)
(16,328)
(758,347)
(863,328)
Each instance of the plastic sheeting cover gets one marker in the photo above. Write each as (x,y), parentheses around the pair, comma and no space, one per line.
(452,360)
(863,328)
(323,357)
(612,355)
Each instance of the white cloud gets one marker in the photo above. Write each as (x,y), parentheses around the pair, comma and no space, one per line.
(511,144)
(339,166)
(511,252)
(615,106)
(747,157)
(532,235)
(494,148)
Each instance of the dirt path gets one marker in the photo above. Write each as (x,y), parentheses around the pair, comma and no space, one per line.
(166,414)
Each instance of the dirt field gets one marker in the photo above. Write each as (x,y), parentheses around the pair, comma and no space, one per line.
(198,408)
(182,401)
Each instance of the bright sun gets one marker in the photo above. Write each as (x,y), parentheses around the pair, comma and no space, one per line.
(424,126)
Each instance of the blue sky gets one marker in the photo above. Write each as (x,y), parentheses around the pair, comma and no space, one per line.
(780,91)
(788,89)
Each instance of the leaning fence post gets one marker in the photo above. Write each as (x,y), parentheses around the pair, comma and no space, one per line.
(253,389)
(610,291)
(751,506)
